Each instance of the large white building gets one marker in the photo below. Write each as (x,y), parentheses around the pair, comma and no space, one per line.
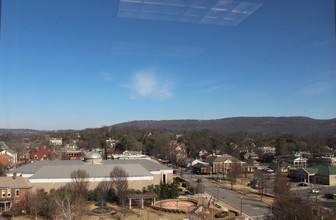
(130,155)
(56,173)
(56,141)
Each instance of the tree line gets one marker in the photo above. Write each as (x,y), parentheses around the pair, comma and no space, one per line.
(157,142)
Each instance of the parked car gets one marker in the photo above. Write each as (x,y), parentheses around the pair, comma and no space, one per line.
(315,191)
(302,184)
(330,196)
(269,170)
(253,185)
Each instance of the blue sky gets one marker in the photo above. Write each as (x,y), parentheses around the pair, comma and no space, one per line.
(78,64)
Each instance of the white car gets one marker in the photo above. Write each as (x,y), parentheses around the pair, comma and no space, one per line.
(269,170)
(315,191)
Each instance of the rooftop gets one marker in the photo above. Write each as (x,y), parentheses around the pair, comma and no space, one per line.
(94,171)
(63,168)
(17,182)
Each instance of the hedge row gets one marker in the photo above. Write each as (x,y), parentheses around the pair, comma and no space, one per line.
(221,214)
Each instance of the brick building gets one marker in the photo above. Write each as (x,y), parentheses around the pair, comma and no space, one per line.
(13,191)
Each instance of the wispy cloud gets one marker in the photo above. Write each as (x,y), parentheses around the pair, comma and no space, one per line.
(148,83)
(107,76)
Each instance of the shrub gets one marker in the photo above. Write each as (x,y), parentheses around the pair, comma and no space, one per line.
(91,195)
(10,214)
(221,215)
(101,211)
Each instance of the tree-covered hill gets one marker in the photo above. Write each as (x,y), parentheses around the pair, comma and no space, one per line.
(266,125)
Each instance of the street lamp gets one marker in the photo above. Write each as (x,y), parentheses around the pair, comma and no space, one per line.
(217,193)
(241,205)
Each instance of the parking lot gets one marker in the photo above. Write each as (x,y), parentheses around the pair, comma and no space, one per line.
(318,194)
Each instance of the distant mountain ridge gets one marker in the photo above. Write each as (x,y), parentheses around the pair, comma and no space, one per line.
(20,132)
(266,125)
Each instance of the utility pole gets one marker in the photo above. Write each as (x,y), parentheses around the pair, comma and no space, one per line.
(212,212)
(241,205)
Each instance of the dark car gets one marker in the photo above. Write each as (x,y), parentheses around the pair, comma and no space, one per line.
(330,196)
(302,184)
(253,185)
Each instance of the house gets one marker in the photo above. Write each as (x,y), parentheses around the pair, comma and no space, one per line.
(295,161)
(252,165)
(250,155)
(200,167)
(52,174)
(197,161)
(130,155)
(180,150)
(43,153)
(3,146)
(71,153)
(324,175)
(24,155)
(111,143)
(267,150)
(13,191)
(222,164)
(55,141)
(203,153)
(305,154)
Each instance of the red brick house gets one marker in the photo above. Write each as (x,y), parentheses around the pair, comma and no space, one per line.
(222,164)
(43,154)
(13,191)
(24,155)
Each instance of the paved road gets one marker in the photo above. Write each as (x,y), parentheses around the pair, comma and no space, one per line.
(305,194)
(250,207)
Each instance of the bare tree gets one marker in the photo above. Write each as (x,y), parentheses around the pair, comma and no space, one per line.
(287,206)
(67,205)
(234,172)
(293,208)
(39,203)
(281,186)
(80,183)
(35,203)
(102,191)
(119,182)
(263,180)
